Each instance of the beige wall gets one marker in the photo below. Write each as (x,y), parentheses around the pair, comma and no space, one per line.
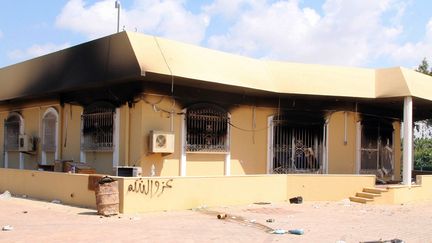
(341,156)
(70,189)
(156,194)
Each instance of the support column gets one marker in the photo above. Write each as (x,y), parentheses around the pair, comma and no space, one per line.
(228,164)
(407,140)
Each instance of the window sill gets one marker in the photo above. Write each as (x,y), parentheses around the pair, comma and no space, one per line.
(205,152)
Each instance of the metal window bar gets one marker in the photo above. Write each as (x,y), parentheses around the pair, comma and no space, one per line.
(49,133)
(296,149)
(207,129)
(98,130)
(12,130)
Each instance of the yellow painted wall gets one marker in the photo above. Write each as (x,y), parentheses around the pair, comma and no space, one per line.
(70,189)
(342,157)
(71,133)
(155,194)
(327,187)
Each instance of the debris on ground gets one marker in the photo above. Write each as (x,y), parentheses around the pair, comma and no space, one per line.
(24,196)
(25,211)
(270,220)
(279,231)
(56,201)
(5,195)
(222,216)
(262,203)
(346,202)
(296,200)
(7,228)
(296,231)
(385,241)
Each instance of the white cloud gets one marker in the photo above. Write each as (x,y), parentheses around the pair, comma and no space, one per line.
(35,51)
(160,17)
(347,32)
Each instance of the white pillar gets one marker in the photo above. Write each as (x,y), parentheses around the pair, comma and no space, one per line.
(228,164)
(407,140)
(182,147)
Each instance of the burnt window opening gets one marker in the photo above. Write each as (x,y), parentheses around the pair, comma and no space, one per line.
(98,127)
(207,128)
(297,144)
(12,132)
(377,146)
(49,124)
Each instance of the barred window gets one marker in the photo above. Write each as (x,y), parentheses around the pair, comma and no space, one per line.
(207,129)
(12,132)
(49,126)
(98,127)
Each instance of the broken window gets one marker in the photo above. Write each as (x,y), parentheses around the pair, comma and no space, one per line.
(376,146)
(297,144)
(49,126)
(98,127)
(12,132)
(207,128)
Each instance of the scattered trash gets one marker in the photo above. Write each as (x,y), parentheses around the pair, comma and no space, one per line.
(5,195)
(25,211)
(262,203)
(296,200)
(24,196)
(56,201)
(340,241)
(296,231)
(385,241)
(270,220)
(222,216)
(279,231)
(7,228)
(233,217)
(135,218)
(252,220)
(316,206)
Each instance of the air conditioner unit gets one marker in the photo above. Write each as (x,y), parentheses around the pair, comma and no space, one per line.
(26,143)
(161,142)
(128,171)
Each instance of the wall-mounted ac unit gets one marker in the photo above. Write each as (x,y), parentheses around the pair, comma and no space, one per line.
(161,142)
(26,143)
(128,171)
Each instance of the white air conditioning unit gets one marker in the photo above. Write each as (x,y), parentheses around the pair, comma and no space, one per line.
(161,142)
(128,171)
(26,143)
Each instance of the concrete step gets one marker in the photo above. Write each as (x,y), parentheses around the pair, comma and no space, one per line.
(360,199)
(367,195)
(374,190)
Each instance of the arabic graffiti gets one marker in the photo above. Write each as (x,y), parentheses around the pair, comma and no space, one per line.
(150,187)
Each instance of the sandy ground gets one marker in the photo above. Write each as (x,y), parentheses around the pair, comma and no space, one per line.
(37,221)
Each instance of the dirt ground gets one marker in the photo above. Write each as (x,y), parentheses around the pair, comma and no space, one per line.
(37,221)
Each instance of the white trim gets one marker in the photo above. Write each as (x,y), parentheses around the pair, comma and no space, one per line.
(358,146)
(116,138)
(53,111)
(407,140)
(326,147)
(183,144)
(269,144)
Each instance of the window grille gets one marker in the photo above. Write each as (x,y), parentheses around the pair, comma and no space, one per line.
(297,146)
(49,132)
(98,127)
(207,129)
(376,147)
(12,131)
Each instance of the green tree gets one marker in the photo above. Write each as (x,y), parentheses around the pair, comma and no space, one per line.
(423,144)
(424,67)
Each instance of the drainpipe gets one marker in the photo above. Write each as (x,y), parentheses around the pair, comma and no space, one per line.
(407,140)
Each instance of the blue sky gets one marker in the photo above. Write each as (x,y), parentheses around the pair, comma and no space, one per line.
(367,33)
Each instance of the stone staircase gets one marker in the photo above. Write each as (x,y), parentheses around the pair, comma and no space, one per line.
(368,195)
